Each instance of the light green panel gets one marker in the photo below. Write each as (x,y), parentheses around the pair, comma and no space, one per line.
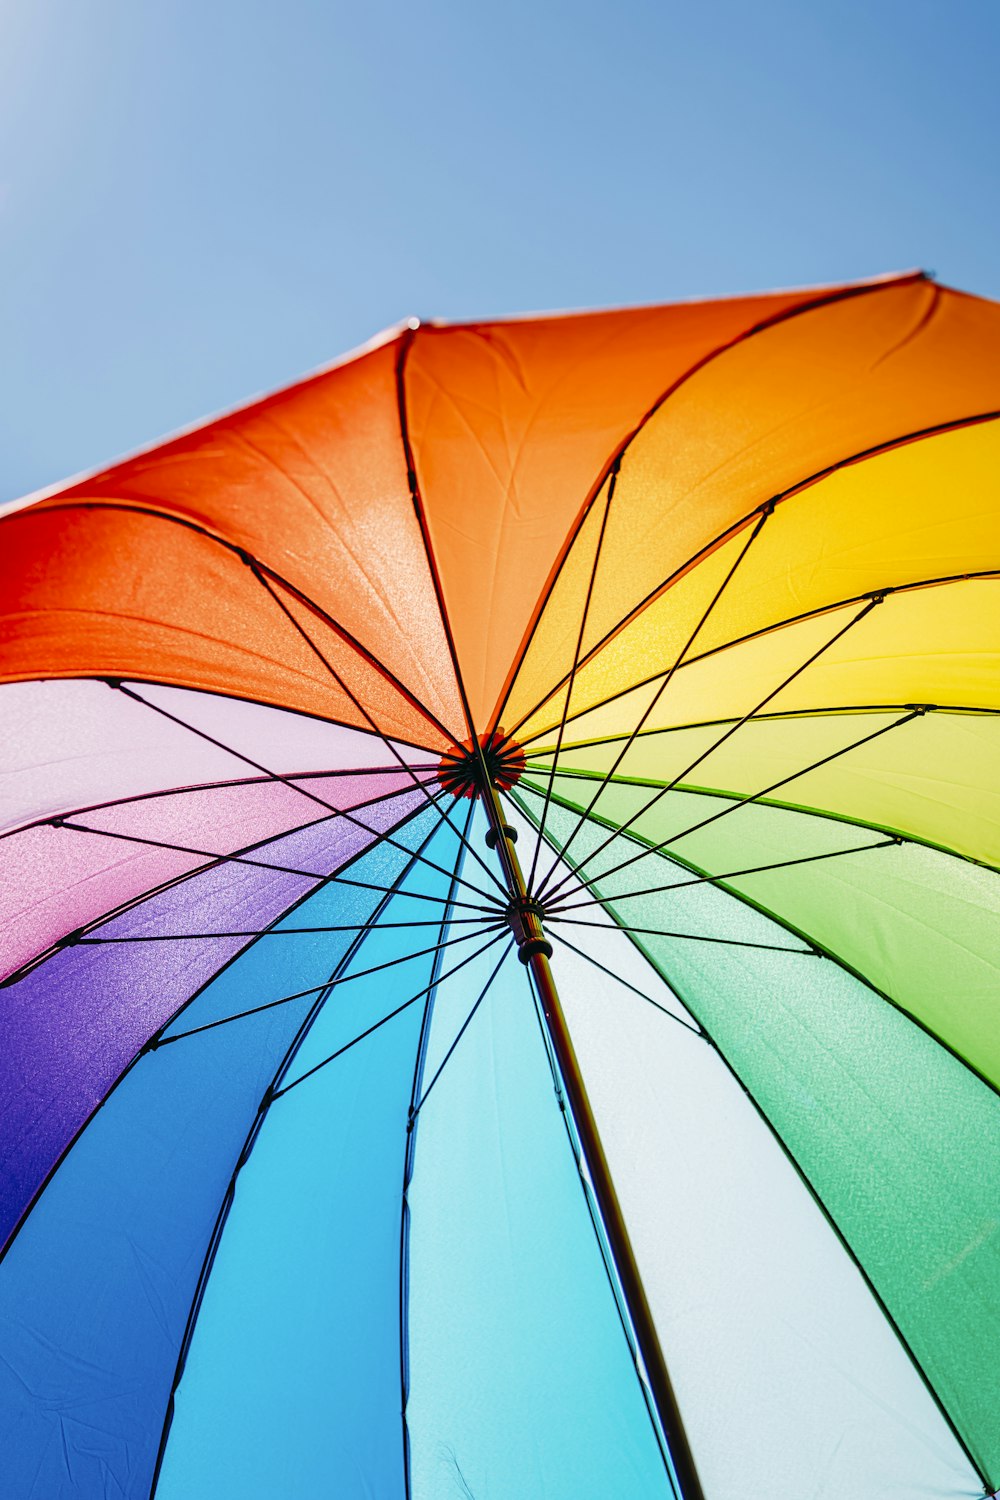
(899,1140)
(920,925)
(936,778)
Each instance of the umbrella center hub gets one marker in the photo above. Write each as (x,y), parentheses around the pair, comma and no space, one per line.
(524,918)
(461,768)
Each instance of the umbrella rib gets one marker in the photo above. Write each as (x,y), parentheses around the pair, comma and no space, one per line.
(464,1027)
(582,952)
(678,661)
(866,609)
(938,429)
(195,788)
(95,924)
(677,885)
(269,932)
(732,806)
(279,1093)
(832,606)
(269,588)
(286,781)
(255,1010)
(694,937)
(612,484)
(242,859)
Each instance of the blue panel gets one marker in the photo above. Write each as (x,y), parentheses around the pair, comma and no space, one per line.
(292,1383)
(521,1381)
(95,1291)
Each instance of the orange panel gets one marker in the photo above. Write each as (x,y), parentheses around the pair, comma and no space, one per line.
(312,482)
(126,594)
(512,426)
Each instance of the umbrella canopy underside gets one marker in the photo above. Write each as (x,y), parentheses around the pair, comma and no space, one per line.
(291,1200)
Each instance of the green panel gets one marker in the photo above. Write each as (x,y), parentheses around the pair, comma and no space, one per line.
(920,925)
(900,1141)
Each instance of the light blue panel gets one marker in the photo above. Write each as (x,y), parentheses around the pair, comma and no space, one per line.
(521,1380)
(292,1382)
(96,1290)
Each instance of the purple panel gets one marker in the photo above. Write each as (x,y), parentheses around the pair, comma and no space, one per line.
(71,1025)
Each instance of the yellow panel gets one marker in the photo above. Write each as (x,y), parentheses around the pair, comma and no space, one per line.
(931,645)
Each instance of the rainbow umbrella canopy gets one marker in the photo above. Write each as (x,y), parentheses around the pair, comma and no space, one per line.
(656,649)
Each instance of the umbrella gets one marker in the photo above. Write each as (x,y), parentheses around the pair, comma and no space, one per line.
(499,939)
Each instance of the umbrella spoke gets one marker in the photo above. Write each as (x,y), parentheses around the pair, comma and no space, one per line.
(694,937)
(242,859)
(743,801)
(464,1026)
(755,531)
(496,938)
(385,838)
(269,588)
(677,885)
(612,484)
(582,952)
(327,984)
(865,610)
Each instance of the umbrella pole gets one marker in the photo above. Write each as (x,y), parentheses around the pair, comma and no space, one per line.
(534,951)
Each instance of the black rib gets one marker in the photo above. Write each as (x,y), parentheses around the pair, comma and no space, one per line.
(328,985)
(678,662)
(831,607)
(694,937)
(83,809)
(572,676)
(242,859)
(464,1026)
(267,932)
(742,801)
(408,1160)
(867,608)
(582,952)
(677,885)
(405,345)
(800,485)
(814,304)
(496,938)
(135,902)
(150,512)
(384,738)
(274,775)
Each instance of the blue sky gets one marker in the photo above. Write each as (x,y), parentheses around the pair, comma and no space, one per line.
(202,199)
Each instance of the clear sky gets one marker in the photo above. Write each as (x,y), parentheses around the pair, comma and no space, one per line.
(202,199)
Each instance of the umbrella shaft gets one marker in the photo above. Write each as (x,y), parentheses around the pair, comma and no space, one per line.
(534,950)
